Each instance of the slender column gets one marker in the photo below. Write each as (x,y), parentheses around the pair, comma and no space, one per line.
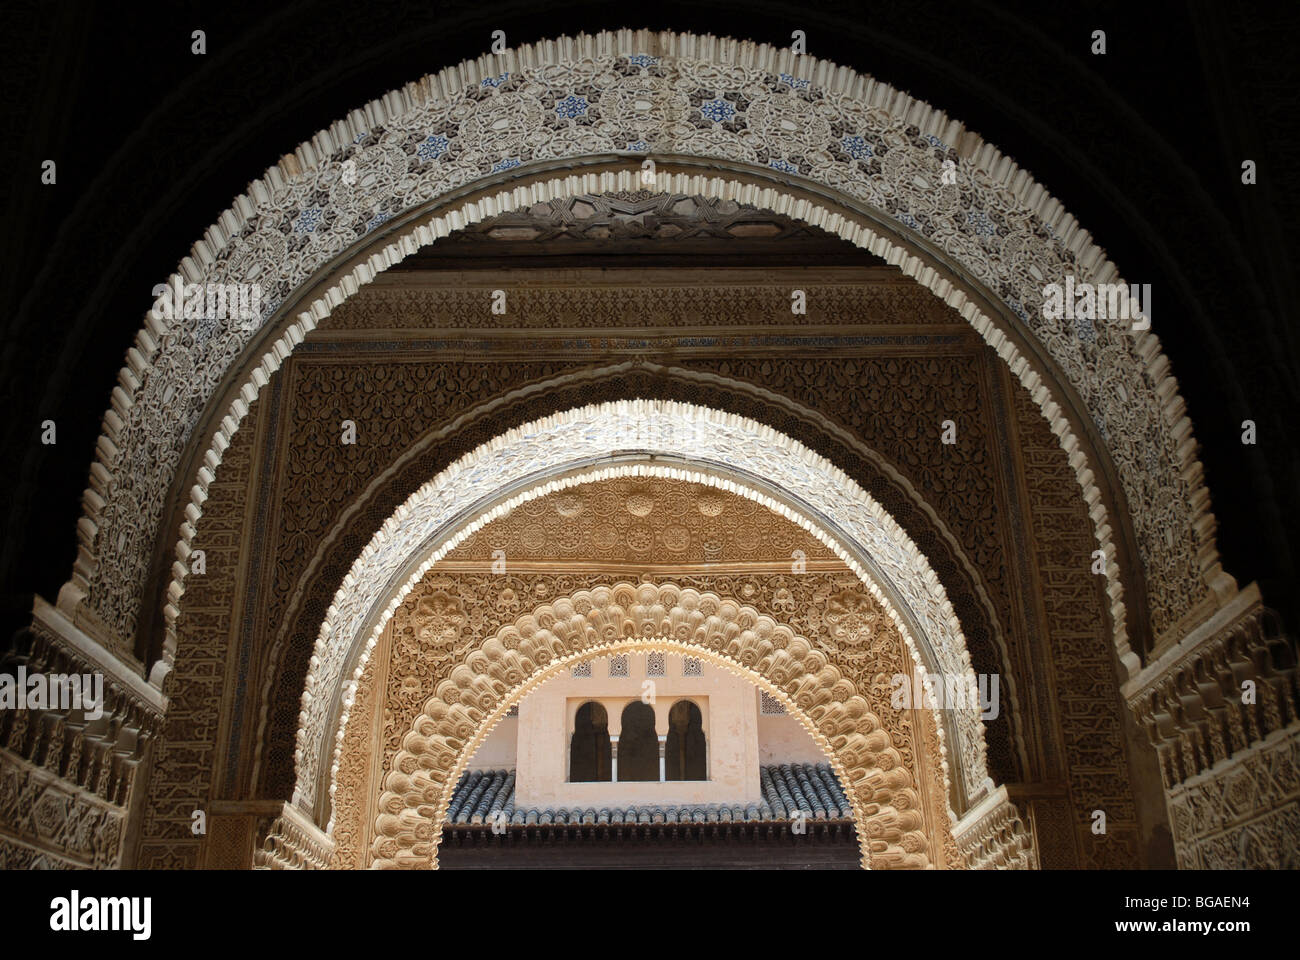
(663,752)
(613,757)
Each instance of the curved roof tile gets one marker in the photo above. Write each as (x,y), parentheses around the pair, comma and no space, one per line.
(482,794)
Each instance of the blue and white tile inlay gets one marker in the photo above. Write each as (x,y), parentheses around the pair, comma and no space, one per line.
(204,328)
(433,147)
(794,82)
(719,111)
(308,220)
(571,106)
(783,166)
(856,147)
(495,81)
(639,145)
(979,221)
(643,60)
(507,164)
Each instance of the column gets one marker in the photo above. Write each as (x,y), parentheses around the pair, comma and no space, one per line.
(613,757)
(663,751)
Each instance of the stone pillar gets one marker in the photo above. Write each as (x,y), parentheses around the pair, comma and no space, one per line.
(613,757)
(663,753)
(1220,708)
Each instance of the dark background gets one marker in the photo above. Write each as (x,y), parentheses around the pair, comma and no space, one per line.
(1143,145)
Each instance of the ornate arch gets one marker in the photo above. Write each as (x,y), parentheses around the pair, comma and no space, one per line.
(864,160)
(554,453)
(996,651)
(522,656)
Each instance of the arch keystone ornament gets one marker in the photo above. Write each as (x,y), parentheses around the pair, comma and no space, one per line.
(795,135)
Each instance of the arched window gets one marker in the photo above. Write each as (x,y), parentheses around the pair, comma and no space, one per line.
(685,750)
(638,745)
(589,753)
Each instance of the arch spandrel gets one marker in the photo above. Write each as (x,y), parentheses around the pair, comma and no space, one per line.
(443,513)
(1007,235)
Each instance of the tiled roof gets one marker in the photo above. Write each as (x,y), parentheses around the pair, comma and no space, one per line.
(786,787)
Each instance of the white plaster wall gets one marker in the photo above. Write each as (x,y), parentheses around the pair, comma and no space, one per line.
(782,739)
(499,750)
(730,719)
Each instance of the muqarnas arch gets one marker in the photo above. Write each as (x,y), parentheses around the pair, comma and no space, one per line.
(466,707)
(714,448)
(718,118)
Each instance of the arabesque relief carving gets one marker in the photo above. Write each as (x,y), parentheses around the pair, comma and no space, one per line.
(68,770)
(874,388)
(1222,710)
(397,387)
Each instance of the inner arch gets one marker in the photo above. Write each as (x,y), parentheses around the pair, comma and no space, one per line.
(466,708)
(620,439)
